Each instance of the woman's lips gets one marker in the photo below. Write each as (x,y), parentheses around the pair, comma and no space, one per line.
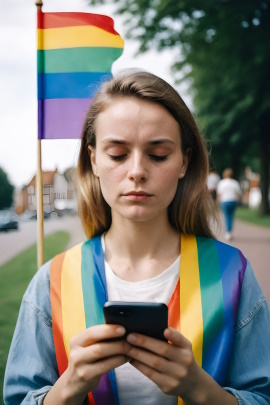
(138,196)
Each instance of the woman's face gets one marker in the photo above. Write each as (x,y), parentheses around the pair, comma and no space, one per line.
(137,158)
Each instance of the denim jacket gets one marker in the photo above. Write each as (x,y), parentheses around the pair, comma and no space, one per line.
(31,369)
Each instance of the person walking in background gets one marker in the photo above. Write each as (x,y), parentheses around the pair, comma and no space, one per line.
(212,182)
(228,194)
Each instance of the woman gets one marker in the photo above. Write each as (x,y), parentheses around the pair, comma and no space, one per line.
(212,182)
(229,193)
(143,197)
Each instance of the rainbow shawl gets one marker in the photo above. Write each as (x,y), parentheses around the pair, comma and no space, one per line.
(203,306)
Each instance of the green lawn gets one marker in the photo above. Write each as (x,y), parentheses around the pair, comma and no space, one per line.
(15,275)
(252,216)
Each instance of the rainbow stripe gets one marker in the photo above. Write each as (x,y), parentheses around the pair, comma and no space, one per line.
(75,55)
(211,275)
(203,306)
(79,273)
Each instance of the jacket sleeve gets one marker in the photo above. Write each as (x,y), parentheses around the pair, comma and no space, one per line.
(31,368)
(249,373)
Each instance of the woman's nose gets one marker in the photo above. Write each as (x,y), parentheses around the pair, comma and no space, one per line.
(137,169)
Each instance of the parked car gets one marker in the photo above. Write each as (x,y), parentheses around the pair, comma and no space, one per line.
(27,216)
(8,220)
(32,215)
(53,214)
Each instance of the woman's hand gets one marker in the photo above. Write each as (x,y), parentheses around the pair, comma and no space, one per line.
(172,367)
(169,365)
(93,352)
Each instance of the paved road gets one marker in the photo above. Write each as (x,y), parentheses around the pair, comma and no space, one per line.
(13,242)
(254,242)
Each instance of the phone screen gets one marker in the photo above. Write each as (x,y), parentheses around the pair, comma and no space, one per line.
(146,318)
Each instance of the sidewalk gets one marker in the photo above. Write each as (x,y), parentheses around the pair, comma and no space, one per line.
(254,242)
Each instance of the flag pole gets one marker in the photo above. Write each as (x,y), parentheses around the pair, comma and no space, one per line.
(39,193)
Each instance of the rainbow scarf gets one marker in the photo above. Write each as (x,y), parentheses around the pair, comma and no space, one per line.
(203,306)
(75,55)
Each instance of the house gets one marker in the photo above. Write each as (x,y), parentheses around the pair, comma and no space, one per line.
(65,193)
(59,193)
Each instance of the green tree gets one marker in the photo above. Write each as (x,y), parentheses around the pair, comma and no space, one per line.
(224,53)
(6,191)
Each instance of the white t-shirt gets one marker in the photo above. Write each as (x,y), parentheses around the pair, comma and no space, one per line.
(228,190)
(133,386)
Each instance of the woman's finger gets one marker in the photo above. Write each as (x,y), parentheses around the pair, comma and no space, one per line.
(98,351)
(168,384)
(163,349)
(97,333)
(176,368)
(86,376)
(96,370)
(176,338)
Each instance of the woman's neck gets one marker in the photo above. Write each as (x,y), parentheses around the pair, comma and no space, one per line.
(140,250)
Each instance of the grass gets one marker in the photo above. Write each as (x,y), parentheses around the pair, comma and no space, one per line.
(252,216)
(15,276)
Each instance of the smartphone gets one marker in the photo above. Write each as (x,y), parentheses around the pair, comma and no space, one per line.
(146,318)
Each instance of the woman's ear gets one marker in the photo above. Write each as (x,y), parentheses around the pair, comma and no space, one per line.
(186,159)
(92,156)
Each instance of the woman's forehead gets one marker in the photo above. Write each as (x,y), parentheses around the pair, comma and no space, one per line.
(128,114)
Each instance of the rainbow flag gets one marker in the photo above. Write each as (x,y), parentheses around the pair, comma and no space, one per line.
(203,307)
(75,55)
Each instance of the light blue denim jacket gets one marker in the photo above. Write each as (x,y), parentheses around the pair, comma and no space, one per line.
(32,369)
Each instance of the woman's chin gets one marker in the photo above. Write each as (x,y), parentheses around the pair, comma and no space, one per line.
(140,214)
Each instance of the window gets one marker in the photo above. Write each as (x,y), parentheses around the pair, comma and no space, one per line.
(31,190)
(46,199)
(46,190)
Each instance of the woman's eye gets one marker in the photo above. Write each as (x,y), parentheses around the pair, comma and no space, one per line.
(117,157)
(157,158)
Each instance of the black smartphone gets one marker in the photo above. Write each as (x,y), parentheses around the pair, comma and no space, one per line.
(146,318)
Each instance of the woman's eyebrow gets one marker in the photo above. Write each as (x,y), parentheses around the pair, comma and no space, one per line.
(123,142)
(115,141)
(160,141)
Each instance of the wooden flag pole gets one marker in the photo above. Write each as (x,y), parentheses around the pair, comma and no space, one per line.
(40,215)
(39,193)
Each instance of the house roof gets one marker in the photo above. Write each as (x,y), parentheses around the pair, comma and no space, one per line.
(47,178)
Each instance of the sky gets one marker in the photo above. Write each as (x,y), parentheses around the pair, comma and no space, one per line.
(18,100)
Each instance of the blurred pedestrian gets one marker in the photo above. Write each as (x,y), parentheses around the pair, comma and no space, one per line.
(229,194)
(212,182)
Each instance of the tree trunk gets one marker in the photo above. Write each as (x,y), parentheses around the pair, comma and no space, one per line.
(264,159)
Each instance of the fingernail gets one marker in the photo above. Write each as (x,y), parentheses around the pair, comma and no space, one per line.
(120,330)
(131,338)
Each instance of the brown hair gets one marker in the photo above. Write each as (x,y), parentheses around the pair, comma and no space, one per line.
(192,206)
(227,173)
